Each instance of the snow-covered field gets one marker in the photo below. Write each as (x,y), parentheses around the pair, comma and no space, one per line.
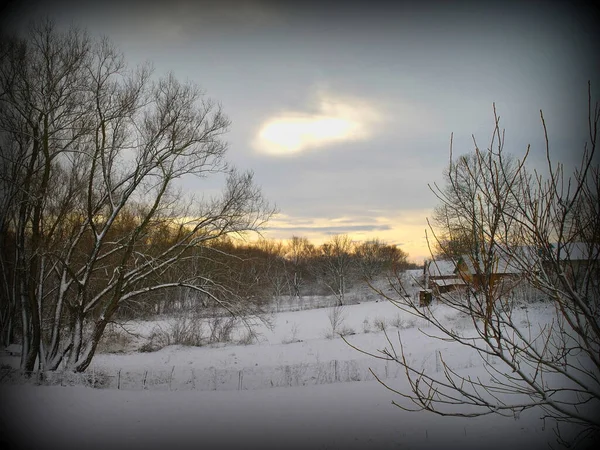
(294,388)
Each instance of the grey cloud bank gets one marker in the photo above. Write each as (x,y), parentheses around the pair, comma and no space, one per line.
(426,68)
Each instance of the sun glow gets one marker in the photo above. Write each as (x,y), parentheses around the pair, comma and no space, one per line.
(292,135)
(337,120)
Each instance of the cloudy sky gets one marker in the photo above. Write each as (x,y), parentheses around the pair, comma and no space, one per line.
(344,110)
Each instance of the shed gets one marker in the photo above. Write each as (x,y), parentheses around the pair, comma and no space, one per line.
(502,273)
(442,276)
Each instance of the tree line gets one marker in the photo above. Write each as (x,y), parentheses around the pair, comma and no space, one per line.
(265,271)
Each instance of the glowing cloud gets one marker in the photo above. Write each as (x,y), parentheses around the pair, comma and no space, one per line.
(389,226)
(335,120)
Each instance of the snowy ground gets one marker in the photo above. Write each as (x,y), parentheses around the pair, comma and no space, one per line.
(233,396)
(341,416)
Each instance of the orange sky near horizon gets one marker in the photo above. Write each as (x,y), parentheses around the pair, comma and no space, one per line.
(406,230)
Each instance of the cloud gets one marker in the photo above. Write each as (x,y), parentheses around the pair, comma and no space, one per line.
(320,228)
(335,120)
(329,230)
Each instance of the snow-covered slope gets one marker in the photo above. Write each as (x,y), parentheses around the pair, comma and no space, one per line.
(164,401)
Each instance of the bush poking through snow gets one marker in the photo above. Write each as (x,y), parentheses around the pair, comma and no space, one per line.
(180,331)
(336,315)
(294,338)
(158,339)
(346,331)
(115,340)
(380,324)
(191,332)
(403,323)
(248,338)
(221,329)
(186,331)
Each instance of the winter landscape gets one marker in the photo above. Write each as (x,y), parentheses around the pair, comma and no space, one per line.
(299,225)
(295,388)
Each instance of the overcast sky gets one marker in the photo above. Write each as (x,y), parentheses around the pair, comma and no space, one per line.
(344,110)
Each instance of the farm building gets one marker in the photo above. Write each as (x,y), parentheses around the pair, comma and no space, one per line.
(579,261)
(441,276)
(502,273)
(508,268)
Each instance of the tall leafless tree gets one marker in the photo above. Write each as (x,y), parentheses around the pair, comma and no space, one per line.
(459,214)
(374,257)
(545,227)
(273,269)
(299,251)
(335,265)
(92,152)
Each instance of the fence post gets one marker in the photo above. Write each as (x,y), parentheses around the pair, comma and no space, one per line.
(240,379)
(171,377)
(119,379)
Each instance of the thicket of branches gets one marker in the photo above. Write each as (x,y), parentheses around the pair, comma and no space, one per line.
(94,226)
(91,218)
(266,271)
(341,264)
(541,230)
(297,268)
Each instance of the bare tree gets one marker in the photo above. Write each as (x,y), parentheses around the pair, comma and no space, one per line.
(91,155)
(274,269)
(336,316)
(335,265)
(460,213)
(299,251)
(546,229)
(375,257)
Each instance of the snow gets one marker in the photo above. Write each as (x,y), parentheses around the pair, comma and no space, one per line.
(309,326)
(441,267)
(344,415)
(313,410)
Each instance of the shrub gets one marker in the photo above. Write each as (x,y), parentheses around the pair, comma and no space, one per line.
(248,338)
(336,317)
(221,329)
(403,323)
(180,331)
(115,340)
(380,324)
